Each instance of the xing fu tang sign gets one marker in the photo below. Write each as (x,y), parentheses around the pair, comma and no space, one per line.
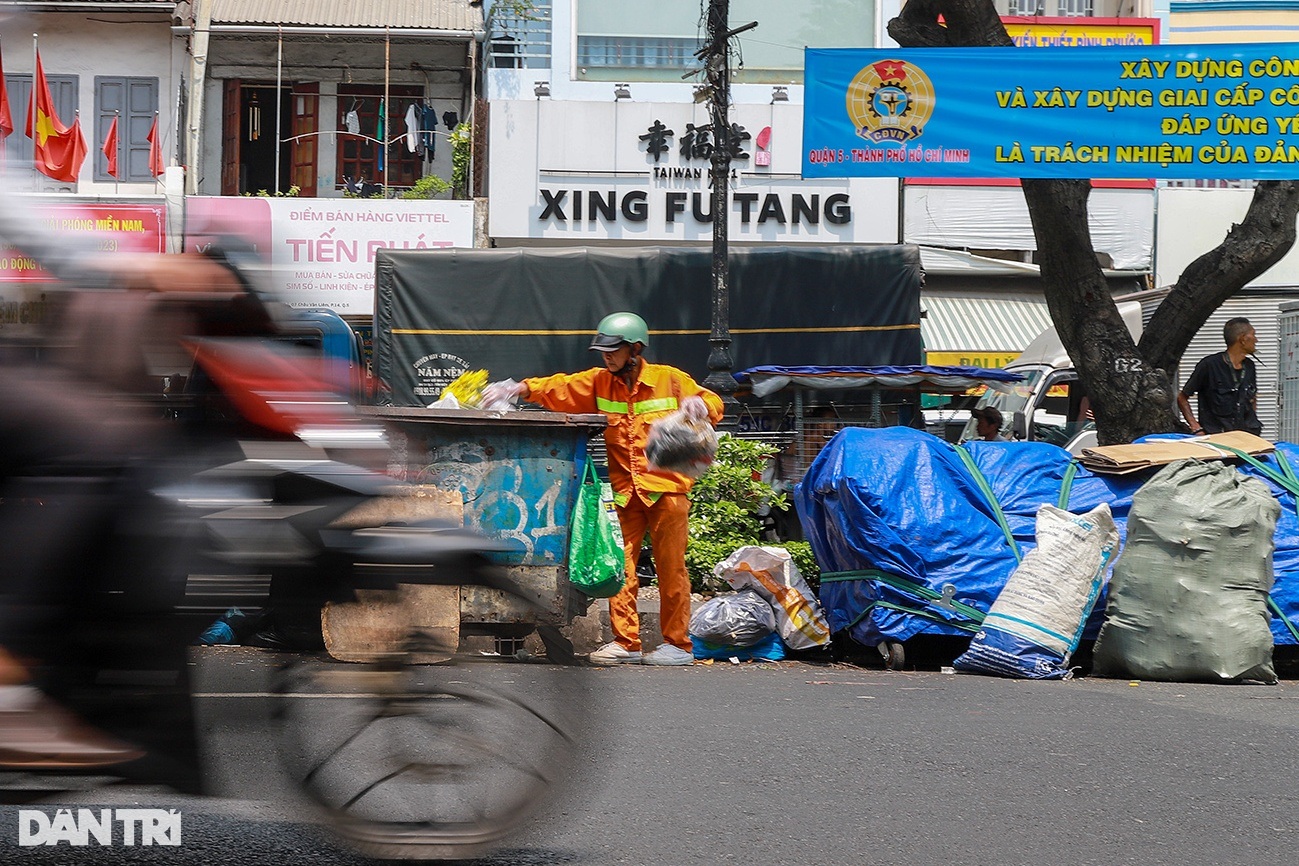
(695,146)
(1178,111)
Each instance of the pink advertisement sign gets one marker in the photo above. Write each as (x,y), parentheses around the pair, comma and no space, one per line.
(321,252)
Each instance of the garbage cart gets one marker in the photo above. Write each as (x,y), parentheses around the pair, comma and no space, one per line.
(518,474)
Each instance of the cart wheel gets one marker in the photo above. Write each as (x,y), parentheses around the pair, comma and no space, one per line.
(895,656)
(432,762)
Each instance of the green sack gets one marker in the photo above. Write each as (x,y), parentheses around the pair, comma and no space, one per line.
(1188,600)
(596,562)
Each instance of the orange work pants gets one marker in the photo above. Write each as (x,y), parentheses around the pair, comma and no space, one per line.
(666,522)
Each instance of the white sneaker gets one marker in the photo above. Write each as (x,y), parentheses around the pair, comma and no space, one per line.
(669,655)
(613,653)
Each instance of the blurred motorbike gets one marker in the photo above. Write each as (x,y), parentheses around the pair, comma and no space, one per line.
(177,443)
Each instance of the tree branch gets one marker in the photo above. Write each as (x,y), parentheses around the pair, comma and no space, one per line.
(965,23)
(1251,247)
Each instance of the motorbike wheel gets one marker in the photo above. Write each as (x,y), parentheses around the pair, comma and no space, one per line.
(432,762)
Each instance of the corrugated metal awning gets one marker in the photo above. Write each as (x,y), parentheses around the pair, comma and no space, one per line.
(1002,322)
(938,260)
(397,14)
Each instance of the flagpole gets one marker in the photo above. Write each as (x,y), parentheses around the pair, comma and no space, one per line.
(156,145)
(279,77)
(387,106)
(4,151)
(117,175)
(31,104)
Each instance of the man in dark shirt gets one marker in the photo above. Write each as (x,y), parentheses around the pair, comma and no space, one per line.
(987,423)
(1226,384)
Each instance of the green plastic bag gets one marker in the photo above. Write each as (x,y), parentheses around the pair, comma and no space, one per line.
(596,563)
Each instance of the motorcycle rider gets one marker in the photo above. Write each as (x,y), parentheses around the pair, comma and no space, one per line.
(64,424)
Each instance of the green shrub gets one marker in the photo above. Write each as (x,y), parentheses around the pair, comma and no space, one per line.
(724,513)
(429,186)
(462,144)
(292,192)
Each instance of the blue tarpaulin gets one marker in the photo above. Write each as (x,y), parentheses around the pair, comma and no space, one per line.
(928,532)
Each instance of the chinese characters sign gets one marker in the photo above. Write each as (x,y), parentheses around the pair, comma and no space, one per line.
(1209,111)
(697,142)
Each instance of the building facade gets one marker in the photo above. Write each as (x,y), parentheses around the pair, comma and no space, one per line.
(595,140)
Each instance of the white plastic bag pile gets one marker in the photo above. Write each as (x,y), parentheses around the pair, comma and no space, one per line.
(772,574)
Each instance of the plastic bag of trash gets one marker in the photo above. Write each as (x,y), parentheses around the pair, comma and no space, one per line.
(771,572)
(1037,620)
(500,396)
(229,628)
(448,401)
(1188,600)
(741,619)
(683,442)
(467,389)
(769,649)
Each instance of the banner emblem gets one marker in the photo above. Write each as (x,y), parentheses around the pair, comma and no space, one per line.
(890,102)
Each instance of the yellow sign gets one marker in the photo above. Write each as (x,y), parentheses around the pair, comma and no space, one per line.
(1081,32)
(987,360)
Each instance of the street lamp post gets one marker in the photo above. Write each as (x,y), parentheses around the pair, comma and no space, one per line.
(717,70)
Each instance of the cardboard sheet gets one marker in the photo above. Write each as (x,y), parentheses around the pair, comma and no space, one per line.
(1125,459)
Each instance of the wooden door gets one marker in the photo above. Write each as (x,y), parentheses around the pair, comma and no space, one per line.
(232,96)
(303,126)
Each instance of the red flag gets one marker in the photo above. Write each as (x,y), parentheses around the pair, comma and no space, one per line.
(6,118)
(60,150)
(155,149)
(110,148)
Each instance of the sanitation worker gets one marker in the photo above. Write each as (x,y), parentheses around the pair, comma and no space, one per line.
(632,394)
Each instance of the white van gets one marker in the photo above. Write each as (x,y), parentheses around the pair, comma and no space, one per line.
(1049,405)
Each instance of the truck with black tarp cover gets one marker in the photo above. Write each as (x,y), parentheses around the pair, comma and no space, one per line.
(532,311)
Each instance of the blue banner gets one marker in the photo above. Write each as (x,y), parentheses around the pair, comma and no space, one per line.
(1177,111)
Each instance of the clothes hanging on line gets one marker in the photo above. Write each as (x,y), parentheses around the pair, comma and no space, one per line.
(413,116)
(428,131)
(383,142)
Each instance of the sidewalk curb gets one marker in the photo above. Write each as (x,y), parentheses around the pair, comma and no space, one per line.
(592,631)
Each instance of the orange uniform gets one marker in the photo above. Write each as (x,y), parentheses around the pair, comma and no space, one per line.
(646,499)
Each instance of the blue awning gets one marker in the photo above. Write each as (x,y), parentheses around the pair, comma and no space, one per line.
(930,379)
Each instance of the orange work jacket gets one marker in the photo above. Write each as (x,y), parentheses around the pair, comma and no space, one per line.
(657,391)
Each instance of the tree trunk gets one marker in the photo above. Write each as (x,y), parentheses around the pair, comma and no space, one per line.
(1131,391)
(1129,398)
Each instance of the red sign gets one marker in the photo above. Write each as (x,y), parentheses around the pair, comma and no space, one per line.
(109,229)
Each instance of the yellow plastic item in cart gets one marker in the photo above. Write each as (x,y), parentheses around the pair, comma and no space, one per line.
(467,388)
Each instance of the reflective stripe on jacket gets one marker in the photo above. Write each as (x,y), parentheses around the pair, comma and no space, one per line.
(658,391)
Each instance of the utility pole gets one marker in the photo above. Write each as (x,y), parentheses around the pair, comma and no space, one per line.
(717,77)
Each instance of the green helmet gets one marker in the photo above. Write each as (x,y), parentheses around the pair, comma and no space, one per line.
(618,328)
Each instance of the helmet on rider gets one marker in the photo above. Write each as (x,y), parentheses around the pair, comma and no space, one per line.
(618,328)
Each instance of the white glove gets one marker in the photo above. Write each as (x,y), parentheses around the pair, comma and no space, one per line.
(501,396)
(695,408)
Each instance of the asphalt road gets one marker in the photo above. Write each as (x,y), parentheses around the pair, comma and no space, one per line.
(794,763)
